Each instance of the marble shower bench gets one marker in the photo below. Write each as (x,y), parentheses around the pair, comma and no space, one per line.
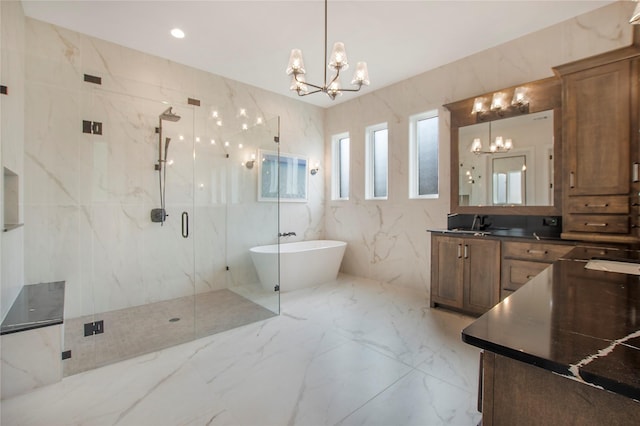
(31,335)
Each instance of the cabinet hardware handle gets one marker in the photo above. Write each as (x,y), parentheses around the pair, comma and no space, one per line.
(531,251)
(597,205)
(466,251)
(572,178)
(636,175)
(459,251)
(480,381)
(601,225)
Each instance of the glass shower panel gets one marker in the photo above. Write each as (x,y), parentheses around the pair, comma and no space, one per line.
(230,221)
(141,273)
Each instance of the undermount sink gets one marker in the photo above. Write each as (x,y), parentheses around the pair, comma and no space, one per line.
(613,266)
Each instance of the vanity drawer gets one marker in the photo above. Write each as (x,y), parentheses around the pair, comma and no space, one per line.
(597,224)
(534,251)
(599,205)
(516,273)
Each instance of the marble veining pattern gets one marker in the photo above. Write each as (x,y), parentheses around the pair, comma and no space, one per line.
(350,352)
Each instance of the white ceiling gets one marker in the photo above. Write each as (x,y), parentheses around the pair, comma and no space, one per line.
(250,41)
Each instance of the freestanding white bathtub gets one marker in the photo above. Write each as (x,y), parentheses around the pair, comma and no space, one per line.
(302,264)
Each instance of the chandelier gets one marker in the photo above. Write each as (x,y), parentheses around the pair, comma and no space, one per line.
(338,62)
(499,145)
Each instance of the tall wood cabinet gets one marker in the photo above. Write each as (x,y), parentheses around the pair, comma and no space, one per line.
(600,155)
(465,273)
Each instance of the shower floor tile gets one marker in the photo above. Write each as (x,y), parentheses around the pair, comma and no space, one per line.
(349,352)
(142,329)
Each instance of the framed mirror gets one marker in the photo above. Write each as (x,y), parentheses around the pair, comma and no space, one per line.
(506,161)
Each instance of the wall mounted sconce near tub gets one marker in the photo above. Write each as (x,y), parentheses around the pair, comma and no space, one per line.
(249,164)
(499,107)
(315,170)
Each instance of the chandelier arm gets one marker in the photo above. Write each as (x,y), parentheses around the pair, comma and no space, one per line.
(352,90)
(320,88)
(308,93)
(335,77)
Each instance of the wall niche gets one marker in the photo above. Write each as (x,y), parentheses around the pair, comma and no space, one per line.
(11,200)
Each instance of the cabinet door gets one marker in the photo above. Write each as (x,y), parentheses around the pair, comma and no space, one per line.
(446,271)
(597,120)
(481,275)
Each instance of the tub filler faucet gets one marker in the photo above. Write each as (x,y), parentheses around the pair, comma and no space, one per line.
(287,234)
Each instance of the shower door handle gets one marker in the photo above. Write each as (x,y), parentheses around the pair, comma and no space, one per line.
(185,225)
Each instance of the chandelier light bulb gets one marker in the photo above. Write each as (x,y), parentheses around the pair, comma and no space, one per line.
(338,59)
(508,144)
(476,146)
(297,84)
(296,64)
(361,75)
(334,89)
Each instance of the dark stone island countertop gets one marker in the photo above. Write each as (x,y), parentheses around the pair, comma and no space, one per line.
(580,323)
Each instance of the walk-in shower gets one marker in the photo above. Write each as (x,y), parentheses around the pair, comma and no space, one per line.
(150,286)
(160,215)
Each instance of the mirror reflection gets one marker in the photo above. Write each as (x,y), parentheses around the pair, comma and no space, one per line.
(507,162)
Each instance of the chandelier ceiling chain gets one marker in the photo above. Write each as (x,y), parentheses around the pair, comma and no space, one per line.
(338,61)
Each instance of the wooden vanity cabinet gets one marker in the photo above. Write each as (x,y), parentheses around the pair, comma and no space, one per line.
(465,273)
(521,261)
(600,155)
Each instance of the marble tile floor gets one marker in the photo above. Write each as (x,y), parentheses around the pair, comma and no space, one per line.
(349,352)
(142,329)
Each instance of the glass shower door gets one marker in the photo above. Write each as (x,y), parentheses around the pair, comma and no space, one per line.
(139,272)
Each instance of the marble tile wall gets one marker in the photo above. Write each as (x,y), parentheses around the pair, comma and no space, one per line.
(88,197)
(12,65)
(388,239)
(31,359)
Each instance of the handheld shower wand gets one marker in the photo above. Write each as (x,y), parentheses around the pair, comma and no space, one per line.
(159,215)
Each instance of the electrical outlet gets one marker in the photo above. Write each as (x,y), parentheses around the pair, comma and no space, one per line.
(550,221)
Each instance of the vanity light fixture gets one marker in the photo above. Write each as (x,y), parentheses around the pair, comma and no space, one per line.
(498,106)
(337,61)
(635,16)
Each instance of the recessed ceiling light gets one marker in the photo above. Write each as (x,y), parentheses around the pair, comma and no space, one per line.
(177,33)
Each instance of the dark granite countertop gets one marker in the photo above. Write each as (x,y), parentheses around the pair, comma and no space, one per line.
(519,233)
(37,305)
(581,323)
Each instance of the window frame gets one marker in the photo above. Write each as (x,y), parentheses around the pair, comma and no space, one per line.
(414,160)
(336,163)
(369,162)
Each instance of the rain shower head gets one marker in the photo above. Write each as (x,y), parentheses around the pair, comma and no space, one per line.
(168,115)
